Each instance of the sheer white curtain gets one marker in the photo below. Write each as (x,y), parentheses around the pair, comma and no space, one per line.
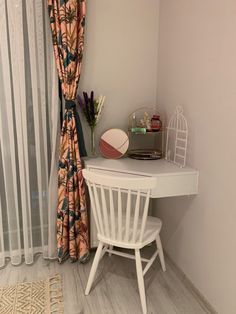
(29,132)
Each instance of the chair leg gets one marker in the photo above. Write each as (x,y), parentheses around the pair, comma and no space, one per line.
(141,286)
(94,268)
(161,255)
(111,248)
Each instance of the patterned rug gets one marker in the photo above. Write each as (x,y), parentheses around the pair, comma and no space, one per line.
(39,297)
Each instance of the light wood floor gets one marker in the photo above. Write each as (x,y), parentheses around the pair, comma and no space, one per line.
(115,290)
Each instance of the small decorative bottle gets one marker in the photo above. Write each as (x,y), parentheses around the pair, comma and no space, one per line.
(156,123)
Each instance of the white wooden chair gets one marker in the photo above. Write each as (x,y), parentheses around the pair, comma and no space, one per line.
(120,209)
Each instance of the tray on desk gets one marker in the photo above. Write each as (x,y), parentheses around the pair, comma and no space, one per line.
(145,154)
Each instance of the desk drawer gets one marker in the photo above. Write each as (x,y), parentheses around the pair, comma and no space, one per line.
(116,173)
(167,185)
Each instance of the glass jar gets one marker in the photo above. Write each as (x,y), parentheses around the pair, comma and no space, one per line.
(156,123)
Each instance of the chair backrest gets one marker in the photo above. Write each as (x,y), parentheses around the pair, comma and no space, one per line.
(119,205)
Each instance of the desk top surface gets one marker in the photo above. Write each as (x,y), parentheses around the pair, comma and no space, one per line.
(157,168)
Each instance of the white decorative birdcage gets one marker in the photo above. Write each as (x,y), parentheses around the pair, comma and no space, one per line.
(176,138)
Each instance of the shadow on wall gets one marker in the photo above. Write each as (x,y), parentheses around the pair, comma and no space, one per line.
(172,212)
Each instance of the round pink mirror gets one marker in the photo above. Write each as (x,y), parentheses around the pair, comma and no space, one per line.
(114,143)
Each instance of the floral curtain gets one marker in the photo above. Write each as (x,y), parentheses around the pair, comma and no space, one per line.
(67,20)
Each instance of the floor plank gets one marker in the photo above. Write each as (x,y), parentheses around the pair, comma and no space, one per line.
(115,290)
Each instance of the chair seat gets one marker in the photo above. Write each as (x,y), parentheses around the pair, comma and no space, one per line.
(152,229)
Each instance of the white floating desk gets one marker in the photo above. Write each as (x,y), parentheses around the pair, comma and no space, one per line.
(170,179)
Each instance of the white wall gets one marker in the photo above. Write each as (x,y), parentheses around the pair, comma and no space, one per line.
(197,69)
(120,59)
